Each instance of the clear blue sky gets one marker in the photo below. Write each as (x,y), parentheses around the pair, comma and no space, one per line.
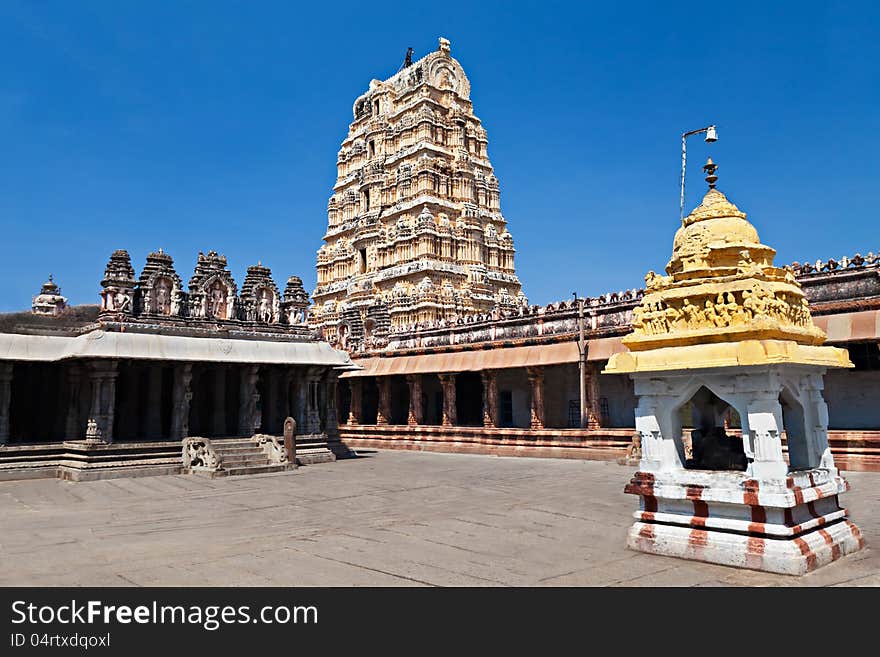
(215,125)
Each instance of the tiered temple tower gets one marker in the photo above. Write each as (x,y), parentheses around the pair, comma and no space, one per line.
(415,231)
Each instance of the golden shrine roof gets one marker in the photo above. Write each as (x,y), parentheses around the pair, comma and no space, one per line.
(721,287)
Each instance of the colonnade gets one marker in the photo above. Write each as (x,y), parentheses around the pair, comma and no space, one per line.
(470,399)
(106,400)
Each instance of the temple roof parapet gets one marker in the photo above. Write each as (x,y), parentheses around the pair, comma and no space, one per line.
(157,302)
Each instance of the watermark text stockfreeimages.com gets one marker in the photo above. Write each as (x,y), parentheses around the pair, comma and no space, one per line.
(209,617)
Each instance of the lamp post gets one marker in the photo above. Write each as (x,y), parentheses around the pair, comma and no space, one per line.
(711,135)
(582,361)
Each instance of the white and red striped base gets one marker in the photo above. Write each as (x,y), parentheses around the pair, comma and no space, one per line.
(790,526)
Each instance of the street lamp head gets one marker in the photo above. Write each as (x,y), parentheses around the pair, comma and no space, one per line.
(711,134)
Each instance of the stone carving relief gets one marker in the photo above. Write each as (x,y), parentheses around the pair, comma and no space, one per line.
(272,447)
(724,309)
(158,287)
(212,290)
(117,286)
(199,454)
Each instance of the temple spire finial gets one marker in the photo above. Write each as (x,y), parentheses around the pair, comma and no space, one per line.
(710,168)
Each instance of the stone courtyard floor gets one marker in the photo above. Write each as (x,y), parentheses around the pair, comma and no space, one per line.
(387,519)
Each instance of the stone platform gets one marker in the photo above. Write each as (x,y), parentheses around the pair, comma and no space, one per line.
(90,461)
(791,527)
(389,518)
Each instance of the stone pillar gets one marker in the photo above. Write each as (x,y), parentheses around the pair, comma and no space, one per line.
(490,398)
(450,415)
(181,397)
(764,438)
(74,379)
(594,412)
(248,397)
(354,411)
(302,397)
(536,383)
(331,423)
(312,418)
(102,375)
(5,399)
(218,415)
(153,416)
(383,413)
(414,381)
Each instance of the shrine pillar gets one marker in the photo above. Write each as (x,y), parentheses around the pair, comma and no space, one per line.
(383,413)
(331,420)
(354,411)
(102,376)
(490,398)
(594,412)
(312,415)
(450,416)
(415,399)
(181,396)
(248,397)
(536,384)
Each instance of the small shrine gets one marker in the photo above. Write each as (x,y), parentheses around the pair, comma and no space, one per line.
(49,301)
(726,340)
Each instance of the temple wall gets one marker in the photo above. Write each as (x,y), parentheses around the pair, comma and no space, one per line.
(853,399)
(617,392)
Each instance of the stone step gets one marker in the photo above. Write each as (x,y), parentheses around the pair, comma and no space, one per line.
(235,450)
(242,455)
(232,442)
(231,463)
(251,469)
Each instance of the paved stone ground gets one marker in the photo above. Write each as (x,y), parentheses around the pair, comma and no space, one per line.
(390,518)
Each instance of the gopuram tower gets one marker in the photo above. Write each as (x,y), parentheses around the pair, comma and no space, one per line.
(415,233)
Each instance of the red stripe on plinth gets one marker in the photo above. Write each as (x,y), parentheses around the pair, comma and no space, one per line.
(694,492)
(856,533)
(755,552)
(807,552)
(698,538)
(835,549)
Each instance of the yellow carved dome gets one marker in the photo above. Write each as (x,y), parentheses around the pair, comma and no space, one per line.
(723,303)
(715,233)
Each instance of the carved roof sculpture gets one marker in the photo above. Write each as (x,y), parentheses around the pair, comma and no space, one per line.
(295,303)
(722,302)
(212,290)
(159,290)
(415,197)
(260,299)
(117,286)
